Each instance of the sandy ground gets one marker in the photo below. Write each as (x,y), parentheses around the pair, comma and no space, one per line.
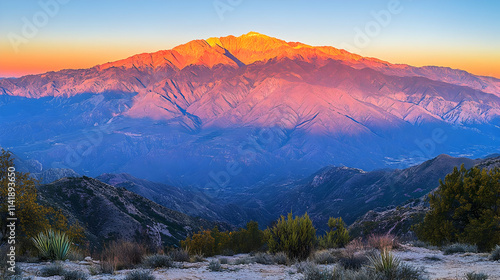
(436,265)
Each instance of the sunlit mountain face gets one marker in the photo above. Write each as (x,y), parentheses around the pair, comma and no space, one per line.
(228,112)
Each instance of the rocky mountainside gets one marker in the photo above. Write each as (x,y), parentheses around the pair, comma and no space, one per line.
(398,220)
(348,192)
(224,112)
(110,213)
(185,200)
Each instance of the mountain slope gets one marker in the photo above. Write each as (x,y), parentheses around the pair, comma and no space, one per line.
(109,213)
(263,104)
(350,193)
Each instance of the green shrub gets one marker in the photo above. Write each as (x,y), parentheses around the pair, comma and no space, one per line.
(140,275)
(53,245)
(476,276)
(214,265)
(243,260)
(52,270)
(75,275)
(158,261)
(337,237)
(294,236)
(224,260)
(348,274)
(459,248)
(196,258)
(463,209)
(495,254)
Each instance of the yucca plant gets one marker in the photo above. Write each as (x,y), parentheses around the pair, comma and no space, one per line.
(385,263)
(53,245)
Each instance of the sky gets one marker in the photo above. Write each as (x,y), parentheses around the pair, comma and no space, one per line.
(37,36)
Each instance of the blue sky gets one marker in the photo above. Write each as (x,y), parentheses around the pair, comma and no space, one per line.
(82,33)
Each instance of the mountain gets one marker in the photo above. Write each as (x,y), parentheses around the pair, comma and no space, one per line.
(398,220)
(109,213)
(227,112)
(349,192)
(185,200)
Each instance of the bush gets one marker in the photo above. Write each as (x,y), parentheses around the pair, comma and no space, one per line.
(281,258)
(140,275)
(294,236)
(53,245)
(463,209)
(323,257)
(243,260)
(476,276)
(179,255)
(459,248)
(107,267)
(263,258)
(214,265)
(158,261)
(75,275)
(383,242)
(124,254)
(224,260)
(197,258)
(348,274)
(495,254)
(354,261)
(312,272)
(337,237)
(52,270)
(385,262)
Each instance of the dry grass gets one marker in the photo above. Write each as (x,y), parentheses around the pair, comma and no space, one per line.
(123,254)
(383,242)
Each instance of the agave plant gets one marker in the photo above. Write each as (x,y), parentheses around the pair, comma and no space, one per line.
(53,245)
(385,263)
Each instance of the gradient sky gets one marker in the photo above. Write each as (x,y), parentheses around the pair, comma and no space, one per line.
(84,33)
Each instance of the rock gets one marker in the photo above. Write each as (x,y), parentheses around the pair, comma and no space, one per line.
(88,259)
(84,263)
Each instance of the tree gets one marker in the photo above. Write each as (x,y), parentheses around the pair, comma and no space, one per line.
(338,236)
(294,236)
(18,190)
(465,208)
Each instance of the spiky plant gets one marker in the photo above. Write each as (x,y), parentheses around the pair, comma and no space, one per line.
(53,245)
(385,263)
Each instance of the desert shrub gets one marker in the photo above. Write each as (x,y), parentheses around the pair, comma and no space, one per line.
(459,248)
(323,257)
(407,272)
(157,261)
(337,237)
(349,274)
(124,254)
(476,276)
(214,265)
(281,258)
(313,272)
(197,258)
(263,258)
(464,209)
(433,258)
(223,260)
(52,270)
(53,245)
(294,236)
(383,242)
(495,254)
(107,267)
(140,275)
(75,275)
(353,261)
(248,239)
(179,255)
(243,260)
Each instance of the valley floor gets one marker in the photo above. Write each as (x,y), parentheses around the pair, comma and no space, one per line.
(436,265)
